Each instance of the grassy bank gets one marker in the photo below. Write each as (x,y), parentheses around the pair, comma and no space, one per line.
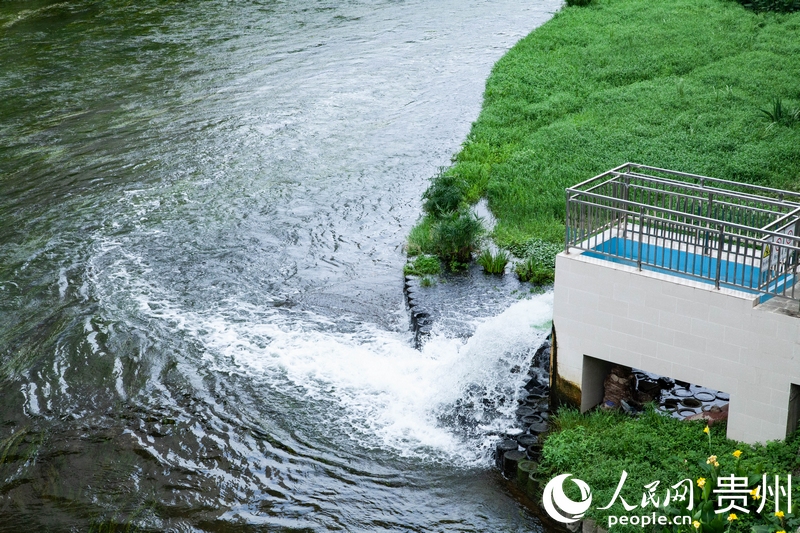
(678,84)
(596,448)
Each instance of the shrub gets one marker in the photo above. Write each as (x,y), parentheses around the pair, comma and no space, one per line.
(542,252)
(493,263)
(535,272)
(456,236)
(444,195)
(578,2)
(422,265)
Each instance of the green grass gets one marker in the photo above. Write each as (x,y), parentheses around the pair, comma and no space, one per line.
(598,446)
(451,236)
(677,84)
(422,265)
(493,263)
(537,273)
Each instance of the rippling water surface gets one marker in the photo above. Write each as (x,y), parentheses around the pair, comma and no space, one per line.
(202,211)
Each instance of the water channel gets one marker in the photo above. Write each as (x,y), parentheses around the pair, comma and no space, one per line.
(202,213)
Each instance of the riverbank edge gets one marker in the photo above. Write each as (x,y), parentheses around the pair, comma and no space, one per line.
(682,84)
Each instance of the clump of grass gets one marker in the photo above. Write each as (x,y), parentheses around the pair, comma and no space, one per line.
(449,230)
(420,239)
(456,236)
(423,265)
(493,263)
(532,270)
(780,114)
(427,281)
(444,195)
(578,2)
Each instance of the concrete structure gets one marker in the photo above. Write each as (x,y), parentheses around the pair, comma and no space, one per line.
(701,326)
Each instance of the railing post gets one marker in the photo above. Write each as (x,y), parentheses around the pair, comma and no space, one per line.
(566,228)
(626,185)
(720,245)
(706,248)
(641,234)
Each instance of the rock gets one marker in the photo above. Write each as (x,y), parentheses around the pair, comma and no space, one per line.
(713,415)
(618,386)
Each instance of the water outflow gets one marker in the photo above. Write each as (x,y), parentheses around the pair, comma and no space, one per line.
(370,385)
(201,316)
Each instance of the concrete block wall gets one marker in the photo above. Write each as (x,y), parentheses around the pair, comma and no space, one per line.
(679,328)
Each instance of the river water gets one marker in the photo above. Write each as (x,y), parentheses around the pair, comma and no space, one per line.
(202,212)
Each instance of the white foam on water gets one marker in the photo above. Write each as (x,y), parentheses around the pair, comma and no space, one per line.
(371,384)
(382,392)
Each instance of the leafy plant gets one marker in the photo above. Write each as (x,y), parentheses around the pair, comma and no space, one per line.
(535,272)
(457,266)
(427,281)
(779,114)
(422,265)
(456,236)
(493,263)
(444,195)
(578,2)
(542,252)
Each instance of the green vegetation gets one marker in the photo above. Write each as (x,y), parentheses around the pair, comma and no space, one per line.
(676,84)
(598,446)
(541,251)
(779,114)
(780,6)
(455,236)
(450,230)
(444,195)
(535,272)
(493,263)
(422,265)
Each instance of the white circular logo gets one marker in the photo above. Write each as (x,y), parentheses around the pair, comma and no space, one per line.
(555,501)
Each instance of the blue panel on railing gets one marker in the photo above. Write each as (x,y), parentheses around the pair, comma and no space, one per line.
(686,265)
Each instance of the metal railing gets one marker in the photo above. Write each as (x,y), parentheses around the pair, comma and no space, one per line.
(730,234)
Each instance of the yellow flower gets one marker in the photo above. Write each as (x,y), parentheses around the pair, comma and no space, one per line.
(781,531)
(701,482)
(706,430)
(696,525)
(737,453)
(779,514)
(754,493)
(732,517)
(711,460)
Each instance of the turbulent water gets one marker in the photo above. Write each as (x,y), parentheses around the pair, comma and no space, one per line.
(202,212)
